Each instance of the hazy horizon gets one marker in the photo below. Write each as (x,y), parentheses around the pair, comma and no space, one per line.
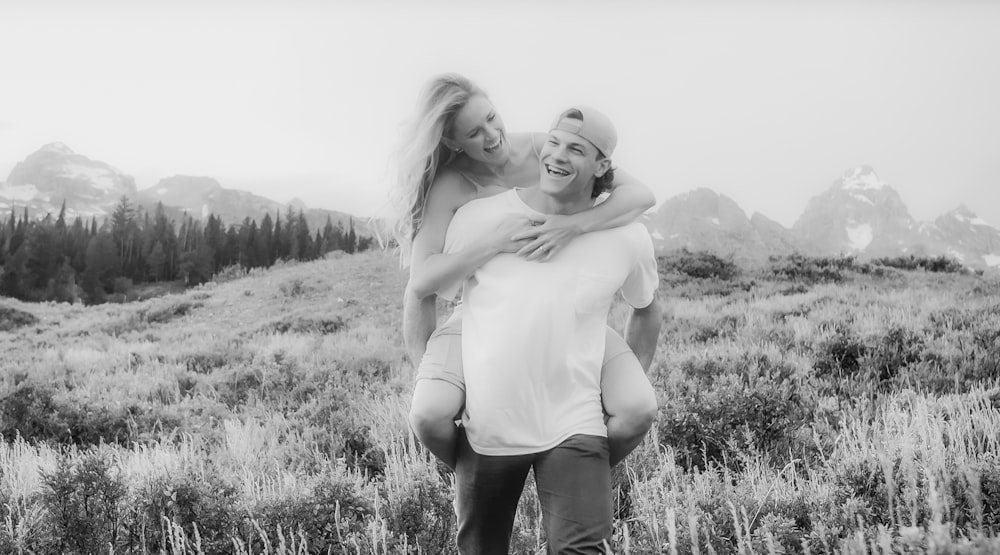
(768,103)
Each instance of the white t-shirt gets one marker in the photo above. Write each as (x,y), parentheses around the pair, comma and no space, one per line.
(533,333)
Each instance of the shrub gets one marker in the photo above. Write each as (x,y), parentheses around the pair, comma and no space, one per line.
(699,264)
(30,411)
(294,287)
(164,314)
(205,362)
(897,349)
(231,273)
(84,502)
(186,499)
(334,513)
(940,263)
(810,269)
(322,326)
(37,414)
(421,511)
(362,453)
(839,355)
(714,416)
(865,481)
(122,285)
(238,385)
(12,319)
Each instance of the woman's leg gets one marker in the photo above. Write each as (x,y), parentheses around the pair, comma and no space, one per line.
(435,407)
(628,397)
(439,393)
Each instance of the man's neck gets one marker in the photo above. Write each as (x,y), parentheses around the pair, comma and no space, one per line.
(549,204)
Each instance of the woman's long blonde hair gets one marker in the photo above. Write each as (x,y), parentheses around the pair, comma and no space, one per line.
(421,153)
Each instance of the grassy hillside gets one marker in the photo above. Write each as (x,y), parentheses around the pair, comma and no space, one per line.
(809,406)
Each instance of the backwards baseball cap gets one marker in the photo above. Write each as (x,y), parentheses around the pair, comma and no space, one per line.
(590,124)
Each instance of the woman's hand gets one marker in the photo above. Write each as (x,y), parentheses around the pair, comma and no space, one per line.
(505,238)
(549,234)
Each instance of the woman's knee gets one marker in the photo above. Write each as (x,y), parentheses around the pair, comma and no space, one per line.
(642,413)
(434,403)
(627,393)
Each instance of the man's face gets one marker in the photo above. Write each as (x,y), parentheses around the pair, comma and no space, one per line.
(568,165)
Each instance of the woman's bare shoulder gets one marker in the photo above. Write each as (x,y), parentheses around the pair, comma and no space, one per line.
(451,188)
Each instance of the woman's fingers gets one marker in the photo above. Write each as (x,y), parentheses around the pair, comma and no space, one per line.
(526,233)
(538,250)
(528,249)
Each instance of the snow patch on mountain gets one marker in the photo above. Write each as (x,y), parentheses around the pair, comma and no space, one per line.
(991,260)
(862,178)
(859,236)
(966,216)
(102,179)
(862,198)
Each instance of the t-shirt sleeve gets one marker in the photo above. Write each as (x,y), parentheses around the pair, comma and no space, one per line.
(642,281)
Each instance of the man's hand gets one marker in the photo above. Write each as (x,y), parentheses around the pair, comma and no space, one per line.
(548,235)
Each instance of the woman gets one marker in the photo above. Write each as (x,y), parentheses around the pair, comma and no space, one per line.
(456,150)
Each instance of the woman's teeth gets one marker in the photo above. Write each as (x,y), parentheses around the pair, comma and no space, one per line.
(493,148)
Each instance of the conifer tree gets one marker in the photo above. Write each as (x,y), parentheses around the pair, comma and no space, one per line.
(78,238)
(156,261)
(43,257)
(265,240)
(61,220)
(63,288)
(302,239)
(101,267)
(350,242)
(276,238)
(14,271)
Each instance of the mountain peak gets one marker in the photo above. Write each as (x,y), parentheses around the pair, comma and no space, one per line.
(57,148)
(861,178)
(963,214)
(54,176)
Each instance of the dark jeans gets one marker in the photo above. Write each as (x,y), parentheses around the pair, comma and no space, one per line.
(574,487)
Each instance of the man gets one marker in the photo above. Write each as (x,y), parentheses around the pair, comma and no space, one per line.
(533,341)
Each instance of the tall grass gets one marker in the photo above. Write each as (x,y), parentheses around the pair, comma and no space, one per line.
(819,406)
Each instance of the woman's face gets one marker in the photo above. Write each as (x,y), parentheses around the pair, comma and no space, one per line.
(479,132)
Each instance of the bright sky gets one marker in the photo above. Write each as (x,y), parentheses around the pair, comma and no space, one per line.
(766,102)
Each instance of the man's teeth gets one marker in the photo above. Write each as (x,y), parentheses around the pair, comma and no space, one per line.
(557,171)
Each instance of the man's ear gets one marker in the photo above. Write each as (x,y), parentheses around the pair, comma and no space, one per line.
(603,166)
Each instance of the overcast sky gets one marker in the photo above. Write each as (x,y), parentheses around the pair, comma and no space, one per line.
(766,102)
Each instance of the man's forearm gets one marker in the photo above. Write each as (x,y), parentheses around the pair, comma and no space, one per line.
(419,321)
(643,331)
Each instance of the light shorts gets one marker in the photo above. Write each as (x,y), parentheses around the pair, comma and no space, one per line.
(443,356)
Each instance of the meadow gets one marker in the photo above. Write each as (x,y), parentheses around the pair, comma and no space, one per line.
(806,406)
